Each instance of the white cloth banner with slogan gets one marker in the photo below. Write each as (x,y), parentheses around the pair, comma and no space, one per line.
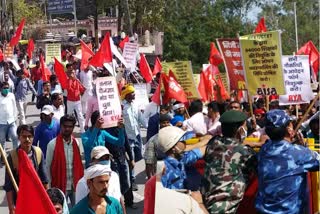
(297,80)
(109,101)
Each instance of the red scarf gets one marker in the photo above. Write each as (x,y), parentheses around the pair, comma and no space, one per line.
(59,166)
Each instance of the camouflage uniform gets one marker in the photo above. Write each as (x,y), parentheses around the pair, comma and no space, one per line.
(228,166)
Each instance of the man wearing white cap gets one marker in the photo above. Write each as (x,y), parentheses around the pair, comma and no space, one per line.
(172,142)
(100,155)
(98,177)
(47,130)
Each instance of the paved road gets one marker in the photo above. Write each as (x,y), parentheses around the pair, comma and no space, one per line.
(33,119)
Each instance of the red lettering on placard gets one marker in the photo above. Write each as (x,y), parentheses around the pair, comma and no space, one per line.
(295,98)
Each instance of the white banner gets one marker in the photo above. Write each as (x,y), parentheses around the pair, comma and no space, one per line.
(130,51)
(297,80)
(109,101)
(141,98)
(117,53)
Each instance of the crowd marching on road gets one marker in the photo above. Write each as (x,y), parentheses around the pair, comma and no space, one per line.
(185,155)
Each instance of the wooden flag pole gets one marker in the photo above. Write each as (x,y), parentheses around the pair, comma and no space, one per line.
(3,155)
(306,113)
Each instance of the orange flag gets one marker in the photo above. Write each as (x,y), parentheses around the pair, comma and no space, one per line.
(45,72)
(123,42)
(215,57)
(104,53)
(32,197)
(145,69)
(157,67)
(16,37)
(30,48)
(311,50)
(61,74)
(202,88)
(86,54)
(261,27)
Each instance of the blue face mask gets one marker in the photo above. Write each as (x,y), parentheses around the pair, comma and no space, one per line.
(104,162)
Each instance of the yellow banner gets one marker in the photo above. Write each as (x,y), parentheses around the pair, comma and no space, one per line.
(261,58)
(183,72)
(53,50)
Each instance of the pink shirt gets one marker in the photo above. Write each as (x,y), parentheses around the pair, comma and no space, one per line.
(214,127)
(92,106)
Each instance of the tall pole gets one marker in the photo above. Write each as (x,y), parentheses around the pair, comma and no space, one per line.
(295,24)
(12,15)
(128,18)
(96,25)
(75,17)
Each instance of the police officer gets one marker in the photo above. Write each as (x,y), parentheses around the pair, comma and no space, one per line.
(227,165)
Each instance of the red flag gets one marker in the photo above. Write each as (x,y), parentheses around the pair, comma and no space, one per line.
(121,44)
(202,87)
(61,74)
(32,197)
(86,54)
(30,48)
(157,67)
(156,97)
(45,72)
(145,69)
(16,37)
(261,27)
(209,82)
(1,55)
(104,54)
(215,57)
(311,50)
(223,90)
(173,90)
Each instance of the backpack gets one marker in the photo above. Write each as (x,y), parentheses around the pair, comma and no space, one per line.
(15,159)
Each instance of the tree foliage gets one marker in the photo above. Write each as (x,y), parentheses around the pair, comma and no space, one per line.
(31,11)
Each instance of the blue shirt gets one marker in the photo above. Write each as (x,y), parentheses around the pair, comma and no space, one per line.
(22,86)
(96,137)
(282,168)
(44,133)
(153,126)
(113,207)
(177,118)
(175,173)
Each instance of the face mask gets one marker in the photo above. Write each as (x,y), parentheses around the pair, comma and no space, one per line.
(5,91)
(104,162)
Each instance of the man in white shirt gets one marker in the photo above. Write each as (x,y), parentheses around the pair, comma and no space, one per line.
(196,122)
(86,80)
(101,155)
(8,115)
(57,104)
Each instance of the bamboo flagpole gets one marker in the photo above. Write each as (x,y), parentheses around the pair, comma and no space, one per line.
(3,155)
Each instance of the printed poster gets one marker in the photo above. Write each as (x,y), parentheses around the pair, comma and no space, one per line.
(53,50)
(261,59)
(108,101)
(129,54)
(183,72)
(231,53)
(141,98)
(296,71)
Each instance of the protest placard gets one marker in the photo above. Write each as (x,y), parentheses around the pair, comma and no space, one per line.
(8,52)
(141,98)
(261,58)
(53,50)
(230,50)
(183,72)
(130,54)
(108,101)
(297,80)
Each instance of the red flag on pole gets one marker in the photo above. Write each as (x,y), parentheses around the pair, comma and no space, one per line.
(30,48)
(173,90)
(86,53)
(124,41)
(16,37)
(215,57)
(202,88)
(156,97)
(32,197)
(61,74)
(311,50)
(157,67)
(261,27)
(104,54)
(45,72)
(145,69)
(223,90)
